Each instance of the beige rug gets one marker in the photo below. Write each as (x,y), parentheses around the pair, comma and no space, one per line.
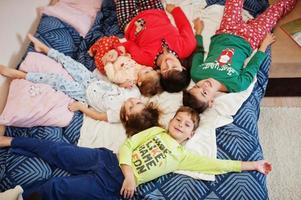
(280,136)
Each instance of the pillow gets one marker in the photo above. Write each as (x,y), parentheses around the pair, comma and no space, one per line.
(30,104)
(89,7)
(78,13)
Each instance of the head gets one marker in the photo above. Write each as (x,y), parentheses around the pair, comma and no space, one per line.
(174,76)
(184,124)
(149,82)
(137,116)
(122,71)
(201,95)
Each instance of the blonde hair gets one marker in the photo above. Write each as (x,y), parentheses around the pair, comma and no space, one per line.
(151,86)
(138,122)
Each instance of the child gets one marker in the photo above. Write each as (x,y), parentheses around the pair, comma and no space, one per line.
(105,98)
(153,41)
(112,60)
(233,43)
(142,158)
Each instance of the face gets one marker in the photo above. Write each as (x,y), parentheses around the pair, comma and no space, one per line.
(204,91)
(133,105)
(146,73)
(111,56)
(170,62)
(181,127)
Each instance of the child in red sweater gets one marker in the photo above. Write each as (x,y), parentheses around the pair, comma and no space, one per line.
(153,41)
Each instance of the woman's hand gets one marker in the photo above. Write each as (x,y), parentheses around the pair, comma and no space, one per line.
(269,39)
(198,26)
(169,7)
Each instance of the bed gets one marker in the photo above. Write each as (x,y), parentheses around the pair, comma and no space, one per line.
(238,140)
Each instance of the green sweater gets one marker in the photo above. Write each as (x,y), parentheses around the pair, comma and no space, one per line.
(225,61)
(153,153)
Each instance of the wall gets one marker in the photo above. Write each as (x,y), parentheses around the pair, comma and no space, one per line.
(17,18)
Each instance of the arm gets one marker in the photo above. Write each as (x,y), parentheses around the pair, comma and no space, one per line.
(249,72)
(186,43)
(195,162)
(198,57)
(75,106)
(129,184)
(140,55)
(261,166)
(125,151)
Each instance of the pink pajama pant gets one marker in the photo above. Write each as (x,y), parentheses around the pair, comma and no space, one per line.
(256,29)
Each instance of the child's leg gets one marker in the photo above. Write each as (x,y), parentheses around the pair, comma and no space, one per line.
(265,22)
(86,186)
(232,19)
(75,160)
(125,11)
(58,82)
(12,73)
(149,4)
(77,70)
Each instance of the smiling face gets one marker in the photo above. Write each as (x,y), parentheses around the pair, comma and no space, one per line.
(181,127)
(170,62)
(204,91)
(133,106)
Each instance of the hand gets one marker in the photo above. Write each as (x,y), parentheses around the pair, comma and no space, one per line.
(127,84)
(5,141)
(128,187)
(110,56)
(198,26)
(263,166)
(122,50)
(90,53)
(170,7)
(269,39)
(75,106)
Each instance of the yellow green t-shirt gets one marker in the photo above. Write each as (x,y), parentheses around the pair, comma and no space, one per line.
(153,153)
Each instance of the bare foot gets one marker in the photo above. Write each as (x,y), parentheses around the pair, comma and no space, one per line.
(12,73)
(38,45)
(5,141)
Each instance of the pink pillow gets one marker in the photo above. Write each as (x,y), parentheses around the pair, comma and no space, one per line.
(78,13)
(30,104)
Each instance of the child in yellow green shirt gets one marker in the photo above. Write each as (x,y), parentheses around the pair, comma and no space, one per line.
(96,173)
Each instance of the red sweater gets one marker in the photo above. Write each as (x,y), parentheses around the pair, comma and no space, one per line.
(145,45)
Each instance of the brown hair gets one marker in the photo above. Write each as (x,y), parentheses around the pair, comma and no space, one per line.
(193,114)
(138,122)
(175,81)
(150,86)
(193,102)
